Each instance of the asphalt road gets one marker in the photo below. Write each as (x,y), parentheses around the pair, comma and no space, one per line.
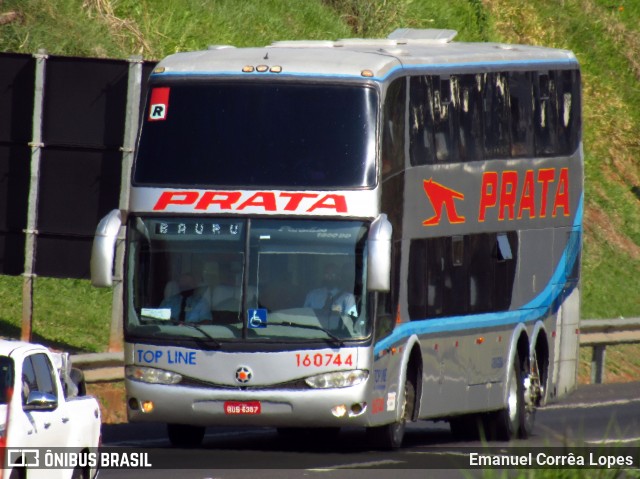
(594,416)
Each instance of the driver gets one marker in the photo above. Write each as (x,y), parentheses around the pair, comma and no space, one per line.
(330,296)
(189,304)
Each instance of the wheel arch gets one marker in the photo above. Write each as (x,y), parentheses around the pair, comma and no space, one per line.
(412,370)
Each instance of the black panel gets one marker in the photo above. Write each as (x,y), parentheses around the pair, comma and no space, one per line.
(60,257)
(11,253)
(17,78)
(77,188)
(85,102)
(147,68)
(14,187)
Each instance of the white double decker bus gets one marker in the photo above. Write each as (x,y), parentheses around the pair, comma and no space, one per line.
(326,234)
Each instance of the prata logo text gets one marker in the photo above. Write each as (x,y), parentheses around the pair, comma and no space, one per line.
(505,196)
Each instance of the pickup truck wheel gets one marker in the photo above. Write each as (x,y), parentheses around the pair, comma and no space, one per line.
(80,473)
(184,435)
(17,474)
(77,376)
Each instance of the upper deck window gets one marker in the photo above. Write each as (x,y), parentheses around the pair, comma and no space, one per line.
(241,134)
(494,115)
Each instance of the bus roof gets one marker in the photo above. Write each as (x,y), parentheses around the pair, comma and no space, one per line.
(404,49)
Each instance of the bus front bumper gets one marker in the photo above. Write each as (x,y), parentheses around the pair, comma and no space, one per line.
(336,407)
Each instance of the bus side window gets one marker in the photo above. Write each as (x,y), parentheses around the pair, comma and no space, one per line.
(481,272)
(521,99)
(546,114)
(416,284)
(385,320)
(421,121)
(445,117)
(470,117)
(497,129)
(568,99)
(392,149)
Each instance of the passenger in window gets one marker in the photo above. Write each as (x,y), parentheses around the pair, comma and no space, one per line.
(189,304)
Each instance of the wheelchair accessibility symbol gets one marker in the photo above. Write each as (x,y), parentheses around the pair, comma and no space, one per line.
(257,318)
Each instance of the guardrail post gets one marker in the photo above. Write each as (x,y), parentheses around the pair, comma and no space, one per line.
(31,230)
(134,91)
(598,357)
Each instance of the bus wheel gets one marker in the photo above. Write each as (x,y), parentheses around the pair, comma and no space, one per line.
(183,435)
(390,436)
(509,422)
(466,428)
(533,396)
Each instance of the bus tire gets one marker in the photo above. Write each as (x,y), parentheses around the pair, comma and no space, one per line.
(184,435)
(390,436)
(509,423)
(466,427)
(533,395)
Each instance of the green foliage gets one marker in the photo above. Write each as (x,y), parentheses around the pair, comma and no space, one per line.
(69,314)
(59,26)
(120,28)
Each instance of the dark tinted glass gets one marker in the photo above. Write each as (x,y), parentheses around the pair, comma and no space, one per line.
(471,117)
(258,135)
(459,275)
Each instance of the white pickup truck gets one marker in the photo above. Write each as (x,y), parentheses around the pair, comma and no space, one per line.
(43,407)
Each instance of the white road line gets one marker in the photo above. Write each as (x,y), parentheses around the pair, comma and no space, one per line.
(603,442)
(589,405)
(355,465)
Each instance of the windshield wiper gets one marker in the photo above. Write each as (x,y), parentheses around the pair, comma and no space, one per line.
(211,342)
(310,326)
(208,342)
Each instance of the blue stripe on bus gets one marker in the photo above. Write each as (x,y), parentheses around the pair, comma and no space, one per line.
(539,307)
(417,66)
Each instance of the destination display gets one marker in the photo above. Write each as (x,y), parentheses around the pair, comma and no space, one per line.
(198,228)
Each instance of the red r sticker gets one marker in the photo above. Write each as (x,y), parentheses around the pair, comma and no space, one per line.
(159,104)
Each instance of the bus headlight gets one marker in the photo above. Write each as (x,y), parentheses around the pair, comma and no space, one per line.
(152,375)
(339,379)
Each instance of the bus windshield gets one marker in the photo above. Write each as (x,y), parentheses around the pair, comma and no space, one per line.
(278,135)
(214,280)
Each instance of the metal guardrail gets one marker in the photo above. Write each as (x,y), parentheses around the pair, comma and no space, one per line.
(99,367)
(600,333)
(594,333)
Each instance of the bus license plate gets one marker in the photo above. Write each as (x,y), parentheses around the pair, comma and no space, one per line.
(242,407)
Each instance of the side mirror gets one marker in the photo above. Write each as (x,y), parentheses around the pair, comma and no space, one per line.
(39,401)
(379,254)
(103,250)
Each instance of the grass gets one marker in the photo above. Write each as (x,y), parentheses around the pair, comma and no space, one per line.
(557,473)
(604,35)
(68,314)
